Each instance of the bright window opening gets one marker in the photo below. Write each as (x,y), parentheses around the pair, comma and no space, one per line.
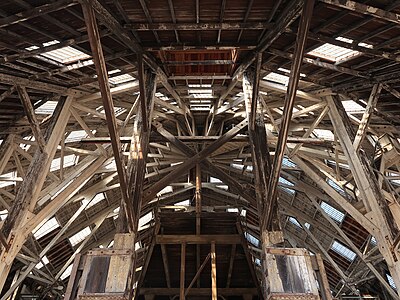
(288,163)
(80,236)
(391,281)
(69,161)
(183,203)
(119,78)
(333,52)
(76,136)
(332,212)
(46,108)
(66,273)
(166,190)
(324,134)
(252,239)
(336,187)
(295,222)
(96,199)
(47,227)
(352,107)
(343,250)
(43,262)
(64,55)
(4,183)
(3,214)
(145,219)
(286,183)
(278,78)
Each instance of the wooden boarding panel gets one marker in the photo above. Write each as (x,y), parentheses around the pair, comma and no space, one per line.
(290,273)
(120,265)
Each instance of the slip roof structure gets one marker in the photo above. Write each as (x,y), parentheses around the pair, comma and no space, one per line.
(287,113)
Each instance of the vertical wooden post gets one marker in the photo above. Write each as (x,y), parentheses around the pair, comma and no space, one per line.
(214,294)
(198,198)
(182,277)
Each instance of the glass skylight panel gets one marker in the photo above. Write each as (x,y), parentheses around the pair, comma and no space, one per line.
(183,203)
(64,55)
(66,273)
(166,190)
(286,182)
(215,180)
(337,188)
(80,236)
(288,163)
(200,91)
(145,219)
(47,227)
(334,53)
(278,78)
(4,183)
(391,281)
(351,106)
(324,134)
(373,241)
(76,136)
(121,78)
(295,222)
(252,239)
(332,212)
(3,214)
(343,250)
(199,85)
(43,262)
(69,160)
(96,199)
(46,108)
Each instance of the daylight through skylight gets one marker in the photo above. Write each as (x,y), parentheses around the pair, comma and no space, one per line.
(336,53)
(64,55)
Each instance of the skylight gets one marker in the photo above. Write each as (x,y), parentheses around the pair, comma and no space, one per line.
(43,262)
(183,203)
(120,78)
(324,134)
(295,222)
(352,107)
(80,236)
(391,281)
(76,136)
(199,85)
(96,199)
(278,78)
(343,250)
(336,53)
(145,219)
(252,239)
(47,227)
(3,214)
(69,160)
(286,182)
(66,273)
(64,55)
(332,212)
(337,188)
(46,108)
(288,163)
(166,190)
(4,183)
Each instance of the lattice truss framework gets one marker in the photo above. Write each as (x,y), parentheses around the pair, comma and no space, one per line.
(79,113)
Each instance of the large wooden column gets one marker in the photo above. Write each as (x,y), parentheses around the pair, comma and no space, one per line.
(25,201)
(139,146)
(258,139)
